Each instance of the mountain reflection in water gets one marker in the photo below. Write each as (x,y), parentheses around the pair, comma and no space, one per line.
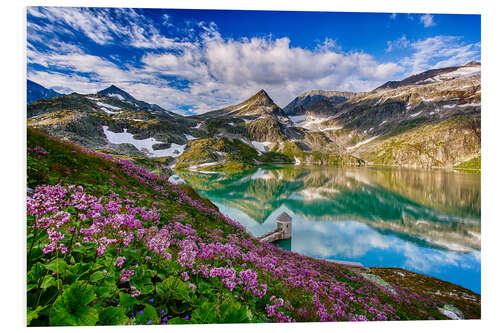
(426,221)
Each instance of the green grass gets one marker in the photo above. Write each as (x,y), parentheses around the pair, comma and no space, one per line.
(473,163)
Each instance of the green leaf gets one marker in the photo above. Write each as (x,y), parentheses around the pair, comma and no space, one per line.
(33,314)
(72,307)
(48,281)
(234,312)
(126,300)
(147,289)
(173,288)
(177,320)
(205,314)
(148,314)
(97,276)
(56,265)
(30,287)
(35,273)
(59,316)
(112,315)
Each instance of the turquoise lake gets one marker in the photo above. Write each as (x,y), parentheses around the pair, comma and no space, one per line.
(426,221)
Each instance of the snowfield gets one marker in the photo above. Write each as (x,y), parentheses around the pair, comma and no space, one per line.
(470,104)
(335,128)
(145,145)
(362,143)
(261,146)
(461,72)
(241,107)
(106,108)
(297,119)
(120,97)
(194,167)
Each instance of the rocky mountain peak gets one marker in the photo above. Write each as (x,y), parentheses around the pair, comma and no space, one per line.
(36,91)
(261,98)
(436,75)
(258,104)
(114,91)
(315,101)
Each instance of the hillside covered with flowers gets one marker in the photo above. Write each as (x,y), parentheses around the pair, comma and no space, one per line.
(111,244)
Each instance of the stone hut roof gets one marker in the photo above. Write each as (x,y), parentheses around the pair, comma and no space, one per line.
(284,217)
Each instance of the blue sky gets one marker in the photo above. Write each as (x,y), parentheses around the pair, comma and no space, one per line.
(201,60)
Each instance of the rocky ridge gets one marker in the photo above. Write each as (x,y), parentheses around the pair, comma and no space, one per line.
(432,119)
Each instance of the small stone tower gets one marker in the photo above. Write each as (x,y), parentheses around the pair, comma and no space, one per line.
(284,223)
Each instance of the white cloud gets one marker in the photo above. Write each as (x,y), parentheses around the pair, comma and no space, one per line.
(215,72)
(438,52)
(399,43)
(239,68)
(427,20)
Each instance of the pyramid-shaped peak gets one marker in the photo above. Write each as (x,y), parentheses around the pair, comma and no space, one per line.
(114,90)
(261,98)
(262,93)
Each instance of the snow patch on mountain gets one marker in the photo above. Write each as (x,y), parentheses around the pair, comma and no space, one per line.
(120,97)
(146,145)
(469,104)
(335,128)
(241,107)
(298,119)
(460,72)
(202,165)
(362,143)
(106,108)
(261,146)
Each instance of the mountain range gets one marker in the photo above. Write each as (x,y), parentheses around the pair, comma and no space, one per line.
(432,119)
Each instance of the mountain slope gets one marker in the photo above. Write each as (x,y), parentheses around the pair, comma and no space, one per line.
(36,91)
(387,125)
(117,93)
(259,104)
(316,100)
(259,123)
(115,121)
(436,75)
(432,119)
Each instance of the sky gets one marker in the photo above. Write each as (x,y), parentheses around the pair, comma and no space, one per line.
(194,61)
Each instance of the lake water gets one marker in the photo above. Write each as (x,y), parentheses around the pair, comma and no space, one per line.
(424,221)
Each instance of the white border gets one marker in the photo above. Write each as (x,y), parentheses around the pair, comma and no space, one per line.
(13,110)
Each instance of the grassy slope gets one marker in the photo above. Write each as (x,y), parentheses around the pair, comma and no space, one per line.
(292,150)
(237,156)
(441,144)
(473,163)
(84,287)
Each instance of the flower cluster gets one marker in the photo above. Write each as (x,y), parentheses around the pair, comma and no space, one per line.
(225,254)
